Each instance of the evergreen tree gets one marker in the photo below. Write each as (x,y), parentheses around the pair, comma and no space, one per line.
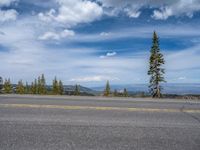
(125,93)
(107,89)
(43,85)
(156,72)
(20,89)
(61,88)
(27,88)
(77,90)
(32,88)
(39,85)
(7,86)
(1,84)
(35,87)
(55,86)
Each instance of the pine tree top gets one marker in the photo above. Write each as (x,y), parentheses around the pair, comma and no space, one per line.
(155,35)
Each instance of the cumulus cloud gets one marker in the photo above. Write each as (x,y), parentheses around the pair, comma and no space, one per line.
(163,13)
(132,13)
(8,15)
(56,36)
(73,12)
(109,54)
(178,8)
(163,9)
(114,7)
(6,2)
(48,16)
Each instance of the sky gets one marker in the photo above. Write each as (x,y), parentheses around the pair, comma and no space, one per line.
(88,42)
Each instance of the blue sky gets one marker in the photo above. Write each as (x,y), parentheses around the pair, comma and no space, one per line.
(91,41)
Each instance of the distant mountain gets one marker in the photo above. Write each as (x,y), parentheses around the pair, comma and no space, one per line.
(168,88)
(72,88)
(82,89)
(182,89)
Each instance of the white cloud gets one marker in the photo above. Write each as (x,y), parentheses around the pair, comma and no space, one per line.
(49,36)
(98,78)
(49,16)
(109,54)
(67,33)
(114,7)
(142,32)
(163,14)
(104,33)
(73,12)
(132,13)
(6,2)
(178,8)
(8,15)
(183,60)
(164,9)
(181,78)
(57,36)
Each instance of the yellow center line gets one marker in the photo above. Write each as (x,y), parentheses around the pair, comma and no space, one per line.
(130,109)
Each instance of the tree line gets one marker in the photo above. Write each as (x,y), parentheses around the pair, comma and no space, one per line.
(38,86)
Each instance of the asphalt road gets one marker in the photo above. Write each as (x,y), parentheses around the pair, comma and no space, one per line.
(95,123)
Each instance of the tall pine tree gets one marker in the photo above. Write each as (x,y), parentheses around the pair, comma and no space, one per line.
(39,85)
(61,88)
(55,87)
(27,88)
(20,89)
(107,89)
(43,85)
(32,89)
(156,71)
(7,86)
(35,87)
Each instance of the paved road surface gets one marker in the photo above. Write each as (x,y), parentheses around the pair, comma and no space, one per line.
(90,123)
